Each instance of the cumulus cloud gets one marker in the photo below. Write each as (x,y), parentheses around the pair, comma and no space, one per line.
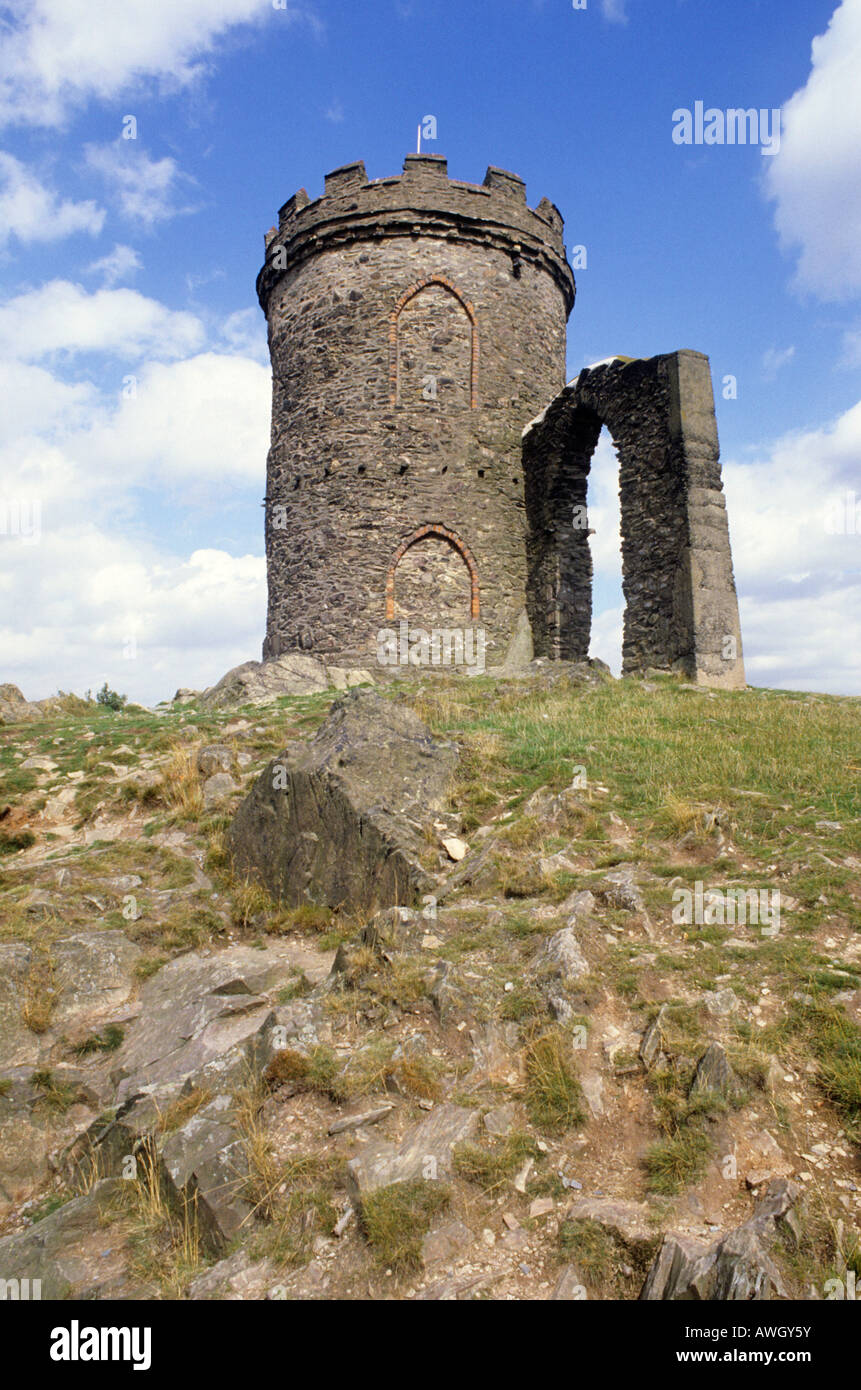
(32,212)
(813,179)
(61,316)
(119,264)
(103,587)
(146,189)
(187,425)
(795,524)
(56,56)
(141,619)
(773,359)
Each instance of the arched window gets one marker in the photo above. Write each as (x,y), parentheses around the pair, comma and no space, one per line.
(433,346)
(440,580)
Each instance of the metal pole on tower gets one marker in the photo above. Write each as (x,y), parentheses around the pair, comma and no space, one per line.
(419,139)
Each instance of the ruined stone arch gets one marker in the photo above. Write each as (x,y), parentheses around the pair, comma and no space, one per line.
(681,611)
(394,344)
(463,550)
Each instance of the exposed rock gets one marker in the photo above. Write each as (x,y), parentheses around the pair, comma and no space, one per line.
(215,757)
(627,1222)
(216,789)
(445,1242)
(338,820)
(357,1119)
(261,682)
(618,889)
(236,1277)
(714,1074)
(736,1267)
(201,1015)
(90,974)
(652,1040)
(569,1285)
(721,1003)
(502,1119)
(67,1250)
(562,958)
(205,1163)
(578,906)
(424,1152)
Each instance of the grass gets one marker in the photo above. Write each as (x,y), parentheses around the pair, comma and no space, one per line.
(672,1164)
(552,1090)
(108,1040)
(40,995)
(395,1220)
(824,1031)
(490,1168)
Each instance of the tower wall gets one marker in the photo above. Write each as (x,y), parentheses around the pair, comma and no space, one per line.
(415,323)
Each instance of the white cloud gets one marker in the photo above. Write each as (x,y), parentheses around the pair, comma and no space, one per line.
(108,563)
(814,178)
(799,575)
(31,212)
(145,189)
(773,359)
(118,264)
(334,113)
(62,317)
(55,55)
(190,424)
(92,608)
(615,11)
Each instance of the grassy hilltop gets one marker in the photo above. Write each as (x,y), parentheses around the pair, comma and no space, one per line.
(629,790)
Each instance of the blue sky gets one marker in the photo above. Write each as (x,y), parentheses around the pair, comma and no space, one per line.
(132,352)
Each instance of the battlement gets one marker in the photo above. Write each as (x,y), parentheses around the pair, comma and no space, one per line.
(421,202)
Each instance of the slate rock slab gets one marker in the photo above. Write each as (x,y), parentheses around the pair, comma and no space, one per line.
(338,820)
(424,1152)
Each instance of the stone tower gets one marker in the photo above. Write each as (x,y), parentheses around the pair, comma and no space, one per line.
(415,325)
(416,328)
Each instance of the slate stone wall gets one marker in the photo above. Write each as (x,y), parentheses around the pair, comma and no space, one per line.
(415,325)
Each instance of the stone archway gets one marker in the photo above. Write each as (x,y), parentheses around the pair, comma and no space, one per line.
(434,531)
(681,611)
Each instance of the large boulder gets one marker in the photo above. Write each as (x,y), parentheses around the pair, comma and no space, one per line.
(261,682)
(339,820)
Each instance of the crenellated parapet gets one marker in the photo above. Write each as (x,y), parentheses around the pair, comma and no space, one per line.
(422,202)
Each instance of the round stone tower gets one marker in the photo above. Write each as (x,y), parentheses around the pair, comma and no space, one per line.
(416,326)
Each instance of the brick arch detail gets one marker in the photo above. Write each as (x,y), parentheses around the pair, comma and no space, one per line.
(463,550)
(394,316)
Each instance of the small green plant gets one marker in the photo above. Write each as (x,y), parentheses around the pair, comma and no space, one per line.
(109,699)
(395,1220)
(490,1168)
(108,1040)
(552,1092)
(677,1161)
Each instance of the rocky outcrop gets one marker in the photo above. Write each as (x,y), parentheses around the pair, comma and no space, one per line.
(339,820)
(738,1267)
(261,682)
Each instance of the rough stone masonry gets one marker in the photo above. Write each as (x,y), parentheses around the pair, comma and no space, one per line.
(416,326)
